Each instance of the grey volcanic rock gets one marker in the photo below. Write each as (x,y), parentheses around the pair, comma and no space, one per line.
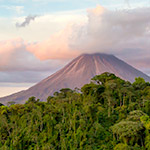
(76,74)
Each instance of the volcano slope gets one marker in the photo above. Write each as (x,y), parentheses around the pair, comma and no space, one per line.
(77,73)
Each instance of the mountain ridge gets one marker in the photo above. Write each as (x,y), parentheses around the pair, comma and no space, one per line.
(77,73)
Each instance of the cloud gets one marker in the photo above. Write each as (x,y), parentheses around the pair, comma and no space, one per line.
(15,57)
(124,33)
(42,28)
(19,65)
(105,31)
(26,22)
(110,31)
(57,47)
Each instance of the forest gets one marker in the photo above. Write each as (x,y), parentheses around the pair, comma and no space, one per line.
(106,114)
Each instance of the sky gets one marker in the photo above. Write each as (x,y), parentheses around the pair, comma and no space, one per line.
(38,37)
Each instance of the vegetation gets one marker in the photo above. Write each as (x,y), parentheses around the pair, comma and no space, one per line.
(109,113)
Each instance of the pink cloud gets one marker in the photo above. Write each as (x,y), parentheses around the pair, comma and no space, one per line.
(105,31)
(57,47)
(96,11)
(7,48)
(17,64)
(14,56)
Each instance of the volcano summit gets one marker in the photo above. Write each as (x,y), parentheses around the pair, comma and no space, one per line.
(77,73)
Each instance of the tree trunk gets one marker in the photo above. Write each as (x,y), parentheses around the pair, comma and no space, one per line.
(123,99)
(109,108)
(120,100)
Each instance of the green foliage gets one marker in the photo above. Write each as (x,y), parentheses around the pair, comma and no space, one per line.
(103,78)
(32,100)
(122,146)
(128,131)
(139,83)
(108,113)
(135,115)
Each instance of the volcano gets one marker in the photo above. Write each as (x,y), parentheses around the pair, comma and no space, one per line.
(77,73)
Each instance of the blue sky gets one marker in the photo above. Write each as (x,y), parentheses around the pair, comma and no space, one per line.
(38,37)
(42,7)
(12,7)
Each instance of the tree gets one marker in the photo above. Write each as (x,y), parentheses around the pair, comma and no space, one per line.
(108,113)
(49,99)
(101,79)
(146,122)
(108,94)
(1,104)
(32,100)
(139,83)
(130,131)
(122,146)
(65,91)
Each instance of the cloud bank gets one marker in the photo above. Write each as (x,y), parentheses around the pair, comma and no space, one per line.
(105,31)
(124,33)
(19,65)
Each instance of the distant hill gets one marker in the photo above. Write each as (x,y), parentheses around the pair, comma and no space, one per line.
(77,73)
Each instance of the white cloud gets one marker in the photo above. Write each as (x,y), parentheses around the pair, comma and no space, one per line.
(105,31)
(113,30)
(41,28)
(125,33)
